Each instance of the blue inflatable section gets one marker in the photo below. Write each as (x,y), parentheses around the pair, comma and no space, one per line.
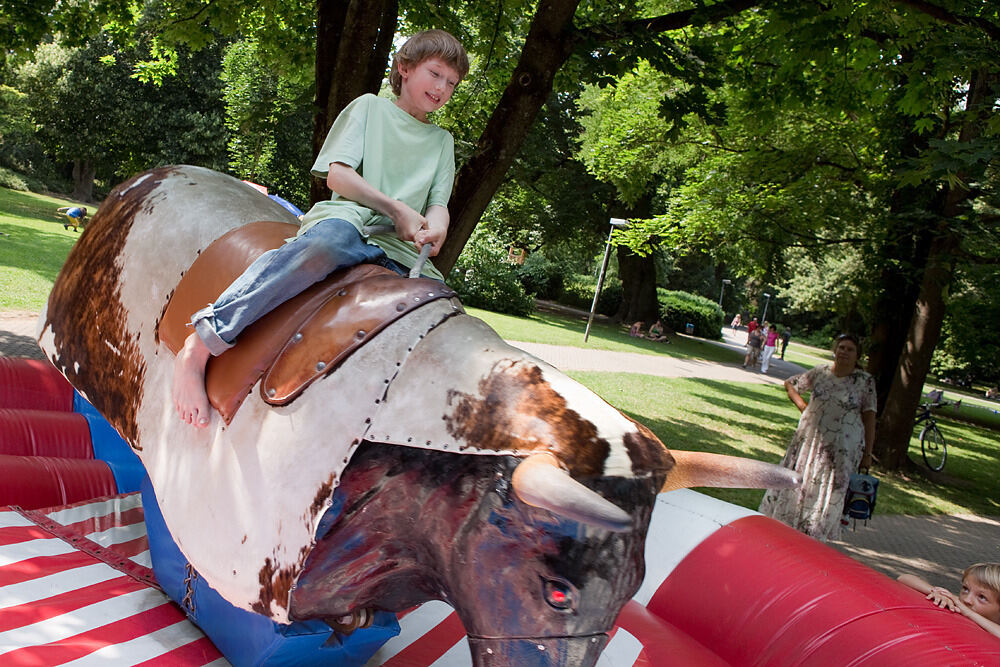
(111,447)
(246,638)
(289,206)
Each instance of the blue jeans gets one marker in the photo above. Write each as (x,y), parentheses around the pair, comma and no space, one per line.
(281,273)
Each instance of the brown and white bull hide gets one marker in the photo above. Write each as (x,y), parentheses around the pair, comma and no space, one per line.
(243,501)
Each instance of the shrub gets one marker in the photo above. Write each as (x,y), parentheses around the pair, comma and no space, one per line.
(678,309)
(823,338)
(483,278)
(541,276)
(578,292)
(611,297)
(12,180)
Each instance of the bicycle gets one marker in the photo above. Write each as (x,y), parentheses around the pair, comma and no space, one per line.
(933,447)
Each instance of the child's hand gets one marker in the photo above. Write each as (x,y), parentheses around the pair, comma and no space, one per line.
(944,598)
(433,234)
(408,222)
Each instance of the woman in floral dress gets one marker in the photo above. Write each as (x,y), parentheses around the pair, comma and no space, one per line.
(836,433)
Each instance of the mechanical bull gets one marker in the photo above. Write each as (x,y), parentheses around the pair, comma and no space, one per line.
(457,467)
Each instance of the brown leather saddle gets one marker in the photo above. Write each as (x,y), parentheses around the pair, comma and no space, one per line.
(301,340)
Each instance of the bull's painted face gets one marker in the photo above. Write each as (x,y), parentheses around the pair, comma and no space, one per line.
(459,533)
(539,576)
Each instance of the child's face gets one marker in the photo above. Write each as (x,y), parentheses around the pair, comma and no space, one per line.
(982,600)
(426,86)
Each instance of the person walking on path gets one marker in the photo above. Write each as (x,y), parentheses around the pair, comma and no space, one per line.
(770,341)
(737,321)
(754,341)
(785,337)
(834,439)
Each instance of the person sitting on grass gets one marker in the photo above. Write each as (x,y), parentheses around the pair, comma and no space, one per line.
(979,599)
(636,330)
(656,333)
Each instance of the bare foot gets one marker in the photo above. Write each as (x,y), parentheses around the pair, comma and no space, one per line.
(189,395)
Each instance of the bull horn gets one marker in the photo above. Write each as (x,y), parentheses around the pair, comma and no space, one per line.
(730,472)
(540,481)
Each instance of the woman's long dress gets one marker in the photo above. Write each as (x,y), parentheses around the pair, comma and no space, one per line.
(826,448)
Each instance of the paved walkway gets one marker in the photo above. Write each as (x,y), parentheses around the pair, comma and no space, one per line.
(17,335)
(939,547)
(589,359)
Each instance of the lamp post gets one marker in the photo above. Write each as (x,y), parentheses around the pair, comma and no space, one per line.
(615,222)
(725,281)
(763,317)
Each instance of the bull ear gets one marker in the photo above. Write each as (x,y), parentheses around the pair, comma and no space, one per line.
(540,481)
(729,472)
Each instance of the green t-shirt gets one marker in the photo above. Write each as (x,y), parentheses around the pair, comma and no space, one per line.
(398,155)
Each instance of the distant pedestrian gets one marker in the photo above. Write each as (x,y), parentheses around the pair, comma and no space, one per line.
(770,342)
(737,321)
(785,336)
(754,341)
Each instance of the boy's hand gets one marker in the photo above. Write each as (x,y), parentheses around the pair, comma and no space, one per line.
(943,598)
(408,222)
(436,230)
(433,234)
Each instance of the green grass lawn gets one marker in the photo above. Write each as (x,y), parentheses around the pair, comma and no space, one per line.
(33,247)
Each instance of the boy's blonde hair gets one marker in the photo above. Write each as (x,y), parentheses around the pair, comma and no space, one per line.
(987,574)
(424,45)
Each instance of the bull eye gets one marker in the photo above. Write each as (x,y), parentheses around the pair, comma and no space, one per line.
(559,595)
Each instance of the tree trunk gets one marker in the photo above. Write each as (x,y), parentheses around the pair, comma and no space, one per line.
(896,423)
(353,39)
(637,273)
(549,43)
(895,426)
(638,276)
(902,259)
(83,179)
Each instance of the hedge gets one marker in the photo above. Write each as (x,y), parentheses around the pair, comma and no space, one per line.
(678,309)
